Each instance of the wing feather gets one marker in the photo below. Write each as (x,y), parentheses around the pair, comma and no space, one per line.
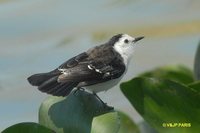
(95,66)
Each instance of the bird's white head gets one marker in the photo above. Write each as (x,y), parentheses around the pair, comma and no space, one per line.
(125,45)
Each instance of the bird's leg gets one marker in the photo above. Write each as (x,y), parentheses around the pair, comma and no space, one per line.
(104,104)
(98,98)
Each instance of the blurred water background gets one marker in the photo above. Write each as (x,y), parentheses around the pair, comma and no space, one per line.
(37,36)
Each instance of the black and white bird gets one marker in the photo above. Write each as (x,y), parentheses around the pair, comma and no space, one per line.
(98,69)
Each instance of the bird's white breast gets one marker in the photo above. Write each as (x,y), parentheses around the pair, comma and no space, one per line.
(104,86)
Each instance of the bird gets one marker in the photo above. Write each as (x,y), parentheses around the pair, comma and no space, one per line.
(98,69)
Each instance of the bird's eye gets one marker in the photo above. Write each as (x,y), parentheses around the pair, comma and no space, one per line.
(126,40)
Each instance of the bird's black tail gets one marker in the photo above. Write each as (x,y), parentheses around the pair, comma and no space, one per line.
(38,79)
(47,82)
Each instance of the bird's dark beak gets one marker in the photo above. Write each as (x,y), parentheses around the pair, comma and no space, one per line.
(138,38)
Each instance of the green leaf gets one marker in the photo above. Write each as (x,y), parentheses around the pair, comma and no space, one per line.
(82,112)
(127,125)
(197,64)
(107,123)
(120,121)
(27,127)
(195,85)
(164,101)
(177,73)
(72,114)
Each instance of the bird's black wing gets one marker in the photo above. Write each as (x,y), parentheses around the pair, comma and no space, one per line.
(74,61)
(107,72)
(89,70)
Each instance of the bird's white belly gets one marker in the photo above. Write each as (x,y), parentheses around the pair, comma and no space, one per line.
(103,86)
